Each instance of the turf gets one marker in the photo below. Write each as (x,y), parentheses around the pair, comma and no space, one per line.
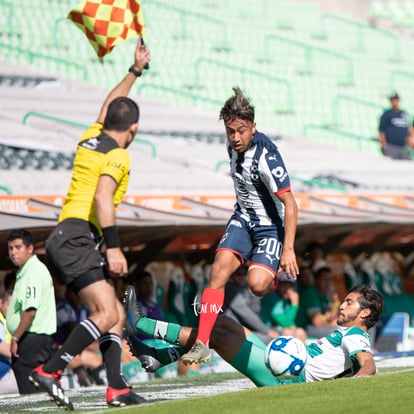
(389,391)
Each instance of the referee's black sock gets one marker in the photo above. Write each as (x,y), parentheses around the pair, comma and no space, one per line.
(110,345)
(80,337)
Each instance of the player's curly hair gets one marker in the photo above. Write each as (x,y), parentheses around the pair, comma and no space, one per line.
(237,107)
(370,299)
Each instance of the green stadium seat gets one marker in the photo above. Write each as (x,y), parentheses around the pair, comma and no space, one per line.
(318,55)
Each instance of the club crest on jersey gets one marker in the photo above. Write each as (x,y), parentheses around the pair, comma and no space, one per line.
(254,171)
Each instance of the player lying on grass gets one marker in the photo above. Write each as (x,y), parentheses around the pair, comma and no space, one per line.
(343,353)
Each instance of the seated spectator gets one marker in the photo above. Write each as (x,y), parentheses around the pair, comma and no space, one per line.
(318,305)
(315,255)
(236,306)
(88,365)
(8,384)
(305,278)
(280,307)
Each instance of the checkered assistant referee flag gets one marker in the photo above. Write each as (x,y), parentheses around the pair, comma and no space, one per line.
(107,23)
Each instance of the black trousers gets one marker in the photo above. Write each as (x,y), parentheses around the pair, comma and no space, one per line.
(33,350)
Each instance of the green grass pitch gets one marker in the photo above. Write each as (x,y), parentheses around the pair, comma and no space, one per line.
(391,391)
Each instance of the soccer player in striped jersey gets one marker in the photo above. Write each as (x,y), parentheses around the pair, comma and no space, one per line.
(262,228)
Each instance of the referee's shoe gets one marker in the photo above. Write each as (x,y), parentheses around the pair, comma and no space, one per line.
(121,398)
(50,382)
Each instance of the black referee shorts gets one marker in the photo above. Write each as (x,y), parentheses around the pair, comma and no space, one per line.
(73,255)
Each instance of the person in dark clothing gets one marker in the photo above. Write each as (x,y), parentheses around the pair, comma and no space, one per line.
(394,131)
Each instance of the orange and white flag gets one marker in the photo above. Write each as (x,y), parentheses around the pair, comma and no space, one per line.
(107,23)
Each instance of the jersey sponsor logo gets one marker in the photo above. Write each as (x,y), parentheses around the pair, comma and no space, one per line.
(116,165)
(91,143)
(279,173)
(314,349)
(400,122)
(234,223)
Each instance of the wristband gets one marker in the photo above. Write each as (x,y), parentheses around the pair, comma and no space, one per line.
(110,235)
(15,338)
(137,73)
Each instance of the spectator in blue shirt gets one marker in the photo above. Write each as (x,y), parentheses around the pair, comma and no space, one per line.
(394,131)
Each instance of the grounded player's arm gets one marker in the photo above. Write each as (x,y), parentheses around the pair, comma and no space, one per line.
(105,211)
(142,57)
(26,320)
(288,261)
(367,364)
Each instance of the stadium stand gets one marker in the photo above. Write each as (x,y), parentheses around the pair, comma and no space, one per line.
(322,68)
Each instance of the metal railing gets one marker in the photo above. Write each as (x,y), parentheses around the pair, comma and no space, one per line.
(360,33)
(346,98)
(10,16)
(184,15)
(33,56)
(244,74)
(193,97)
(309,52)
(399,74)
(359,139)
(6,189)
(79,125)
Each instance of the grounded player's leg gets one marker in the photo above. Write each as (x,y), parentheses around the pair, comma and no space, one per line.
(135,322)
(159,356)
(152,357)
(165,331)
(243,350)
(250,362)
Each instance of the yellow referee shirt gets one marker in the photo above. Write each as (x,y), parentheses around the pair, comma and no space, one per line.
(97,154)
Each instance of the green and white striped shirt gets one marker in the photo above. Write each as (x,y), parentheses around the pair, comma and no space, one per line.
(333,356)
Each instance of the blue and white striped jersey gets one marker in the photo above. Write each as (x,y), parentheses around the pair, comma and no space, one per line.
(259,174)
